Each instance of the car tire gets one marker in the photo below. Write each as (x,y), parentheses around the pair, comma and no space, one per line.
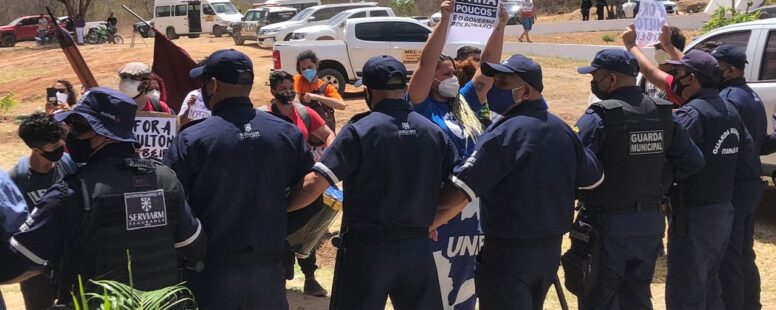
(334,77)
(218,31)
(170,32)
(9,40)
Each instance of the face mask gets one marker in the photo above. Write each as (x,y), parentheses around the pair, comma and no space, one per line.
(61,98)
(79,150)
(449,87)
(309,74)
(518,99)
(130,87)
(368,98)
(677,87)
(154,95)
(596,90)
(54,155)
(205,96)
(286,98)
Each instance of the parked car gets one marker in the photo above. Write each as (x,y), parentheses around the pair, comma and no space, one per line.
(143,29)
(248,28)
(758,38)
(21,29)
(335,28)
(297,4)
(183,17)
(629,7)
(311,16)
(434,19)
(341,60)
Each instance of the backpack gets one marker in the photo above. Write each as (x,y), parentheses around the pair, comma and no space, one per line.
(326,112)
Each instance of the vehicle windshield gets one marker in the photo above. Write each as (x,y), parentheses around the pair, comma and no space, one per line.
(224,8)
(303,14)
(336,19)
(15,21)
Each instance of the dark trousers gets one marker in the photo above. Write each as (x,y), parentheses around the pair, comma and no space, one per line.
(585,15)
(738,273)
(256,286)
(694,258)
(600,13)
(38,293)
(509,277)
(402,270)
(308,265)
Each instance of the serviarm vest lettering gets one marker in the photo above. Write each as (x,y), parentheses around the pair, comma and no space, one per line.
(722,132)
(111,228)
(633,153)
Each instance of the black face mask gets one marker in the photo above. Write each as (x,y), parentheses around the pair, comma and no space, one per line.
(677,87)
(205,96)
(368,98)
(54,155)
(286,98)
(596,90)
(79,150)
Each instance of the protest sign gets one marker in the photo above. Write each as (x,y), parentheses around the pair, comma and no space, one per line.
(649,22)
(154,132)
(473,21)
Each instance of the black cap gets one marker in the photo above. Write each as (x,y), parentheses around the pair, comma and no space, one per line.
(735,56)
(524,67)
(379,70)
(228,66)
(699,62)
(615,60)
(110,113)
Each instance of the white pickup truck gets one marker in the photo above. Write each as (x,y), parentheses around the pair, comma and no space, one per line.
(341,61)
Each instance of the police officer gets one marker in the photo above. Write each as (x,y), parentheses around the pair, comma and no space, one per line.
(739,275)
(236,167)
(701,221)
(524,214)
(115,203)
(385,250)
(634,136)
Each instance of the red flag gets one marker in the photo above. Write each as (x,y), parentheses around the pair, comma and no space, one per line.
(173,64)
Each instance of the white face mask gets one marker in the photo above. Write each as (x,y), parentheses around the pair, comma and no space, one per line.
(154,95)
(130,87)
(449,87)
(61,98)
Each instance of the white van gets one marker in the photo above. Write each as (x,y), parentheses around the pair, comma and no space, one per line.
(297,4)
(192,17)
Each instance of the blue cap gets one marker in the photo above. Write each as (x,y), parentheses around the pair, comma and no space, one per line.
(529,71)
(109,112)
(379,70)
(615,60)
(699,62)
(735,56)
(228,66)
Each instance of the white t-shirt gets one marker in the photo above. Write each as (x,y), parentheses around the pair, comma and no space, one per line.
(199,110)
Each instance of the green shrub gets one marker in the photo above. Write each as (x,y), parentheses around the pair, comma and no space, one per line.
(608,38)
(720,18)
(404,7)
(7,102)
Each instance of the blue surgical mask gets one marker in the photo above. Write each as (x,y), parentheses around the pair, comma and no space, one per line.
(500,99)
(309,74)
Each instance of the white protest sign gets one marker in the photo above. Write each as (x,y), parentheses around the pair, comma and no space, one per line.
(154,132)
(649,22)
(473,21)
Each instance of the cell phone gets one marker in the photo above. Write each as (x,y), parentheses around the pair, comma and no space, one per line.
(51,95)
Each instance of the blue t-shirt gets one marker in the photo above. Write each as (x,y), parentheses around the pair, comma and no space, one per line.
(440,114)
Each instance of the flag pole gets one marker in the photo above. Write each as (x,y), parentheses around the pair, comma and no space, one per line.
(137,16)
(73,55)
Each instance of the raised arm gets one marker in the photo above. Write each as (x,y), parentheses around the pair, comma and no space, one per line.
(665,43)
(423,77)
(492,54)
(649,70)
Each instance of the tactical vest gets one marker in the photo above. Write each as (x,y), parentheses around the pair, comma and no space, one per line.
(633,153)
(721,135)
(131,207)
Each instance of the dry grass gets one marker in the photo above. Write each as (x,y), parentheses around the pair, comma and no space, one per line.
(594,37)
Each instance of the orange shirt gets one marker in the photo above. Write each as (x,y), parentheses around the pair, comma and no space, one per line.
(302,86)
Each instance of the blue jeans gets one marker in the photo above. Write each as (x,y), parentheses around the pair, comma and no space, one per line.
(42,36)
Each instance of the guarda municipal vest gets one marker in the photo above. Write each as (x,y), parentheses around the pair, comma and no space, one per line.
(633,153)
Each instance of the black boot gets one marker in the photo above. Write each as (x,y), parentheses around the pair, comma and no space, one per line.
(313,288)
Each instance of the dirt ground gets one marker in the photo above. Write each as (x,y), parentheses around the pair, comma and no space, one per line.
(593,37)
(27,70)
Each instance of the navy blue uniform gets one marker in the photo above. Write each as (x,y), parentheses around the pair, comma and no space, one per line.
(695,251)
(392,162)
(525,169)
(739,275)
(236,167)
(631,241)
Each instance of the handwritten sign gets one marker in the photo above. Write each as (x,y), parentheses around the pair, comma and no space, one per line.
(411,56)
(649,22)
(155,132)
(473,21)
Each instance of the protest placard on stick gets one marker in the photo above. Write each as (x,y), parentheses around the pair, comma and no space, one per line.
(473,21)
(649,22)
(155,132)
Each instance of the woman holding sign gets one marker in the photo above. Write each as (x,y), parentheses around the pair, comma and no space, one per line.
(435,93)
